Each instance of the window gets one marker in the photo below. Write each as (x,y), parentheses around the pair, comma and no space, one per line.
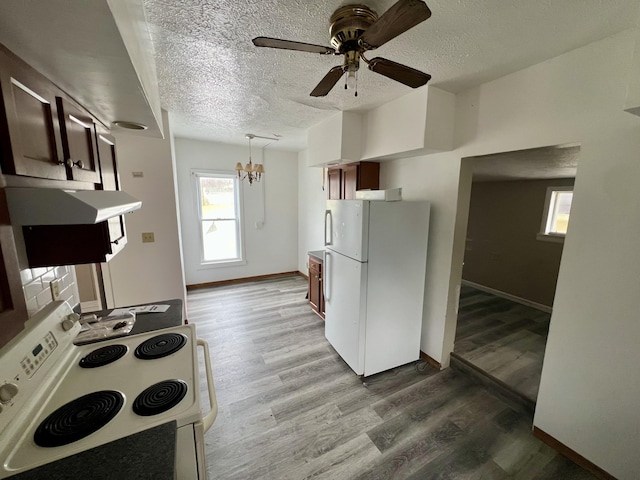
(555,219)
(218,198)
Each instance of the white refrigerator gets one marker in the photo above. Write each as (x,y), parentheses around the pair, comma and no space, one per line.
(374,277)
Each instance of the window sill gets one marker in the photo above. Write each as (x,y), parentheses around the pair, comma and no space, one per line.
(550,238)
(221,264)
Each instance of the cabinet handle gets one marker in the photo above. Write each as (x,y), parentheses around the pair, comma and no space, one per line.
(209,418)
(79,163)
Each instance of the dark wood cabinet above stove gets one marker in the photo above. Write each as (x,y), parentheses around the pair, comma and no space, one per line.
(78,130)
(48,140)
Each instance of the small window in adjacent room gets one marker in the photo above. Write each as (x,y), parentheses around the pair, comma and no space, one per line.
(219,208)
(555,219)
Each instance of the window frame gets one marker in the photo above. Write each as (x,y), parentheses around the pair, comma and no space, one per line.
(197,174)
(543,234)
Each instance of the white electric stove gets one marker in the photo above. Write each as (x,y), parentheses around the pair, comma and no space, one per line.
(58,399)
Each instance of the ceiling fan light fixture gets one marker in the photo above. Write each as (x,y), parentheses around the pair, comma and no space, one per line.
(355,29)
(352,80)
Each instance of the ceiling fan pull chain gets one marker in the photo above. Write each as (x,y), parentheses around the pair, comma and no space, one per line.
(356,75)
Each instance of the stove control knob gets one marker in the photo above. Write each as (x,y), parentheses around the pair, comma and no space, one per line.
(7,392)
(70,321)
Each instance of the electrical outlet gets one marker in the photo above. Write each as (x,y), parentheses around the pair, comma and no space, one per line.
(54,285)
(148,237)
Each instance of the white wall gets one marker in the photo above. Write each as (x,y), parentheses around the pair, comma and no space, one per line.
(590,387)
(433,178)
(311,207)
(147,272)
(270,249)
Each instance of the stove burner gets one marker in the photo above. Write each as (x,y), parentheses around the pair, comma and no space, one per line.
(160,397)
(78,418)
(103,356)
(160,346)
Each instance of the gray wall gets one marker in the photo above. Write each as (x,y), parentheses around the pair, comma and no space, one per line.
(502,251)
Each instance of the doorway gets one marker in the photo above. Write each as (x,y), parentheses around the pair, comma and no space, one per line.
(510,266)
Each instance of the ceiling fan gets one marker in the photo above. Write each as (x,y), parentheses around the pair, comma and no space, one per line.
(356,29)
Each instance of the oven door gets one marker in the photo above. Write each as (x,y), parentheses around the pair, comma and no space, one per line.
(190,464)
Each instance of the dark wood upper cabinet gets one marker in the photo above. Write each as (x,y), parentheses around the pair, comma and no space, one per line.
(335,183)
(344,180)
(30,141)
(110,180)
(78,130)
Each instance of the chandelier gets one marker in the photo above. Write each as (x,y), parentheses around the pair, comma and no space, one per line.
(252,172)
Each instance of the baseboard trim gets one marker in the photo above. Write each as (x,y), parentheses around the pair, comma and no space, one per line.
(571,454)
(431,361)
(516,399)
(242,280)
(508,296)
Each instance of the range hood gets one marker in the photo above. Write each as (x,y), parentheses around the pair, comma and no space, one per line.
(52,206)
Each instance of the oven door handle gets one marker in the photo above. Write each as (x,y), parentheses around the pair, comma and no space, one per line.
(210,417)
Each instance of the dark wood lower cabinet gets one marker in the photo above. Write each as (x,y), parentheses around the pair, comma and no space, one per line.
(316,295)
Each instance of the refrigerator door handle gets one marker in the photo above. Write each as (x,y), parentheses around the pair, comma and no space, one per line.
(327,214)
(326,286)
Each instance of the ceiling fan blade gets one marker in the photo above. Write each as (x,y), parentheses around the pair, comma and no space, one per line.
(328,82)
(398,72)
(291,45)
(402,16)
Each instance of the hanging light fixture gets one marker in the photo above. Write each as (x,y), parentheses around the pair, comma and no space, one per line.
(252,172)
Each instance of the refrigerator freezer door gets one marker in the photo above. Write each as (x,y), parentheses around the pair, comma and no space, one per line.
(347,228)
(345,307)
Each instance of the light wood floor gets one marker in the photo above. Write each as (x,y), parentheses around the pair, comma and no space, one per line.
(502,338)
(290,408)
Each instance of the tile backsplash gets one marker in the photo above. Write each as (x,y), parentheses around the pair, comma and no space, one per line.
(37,290)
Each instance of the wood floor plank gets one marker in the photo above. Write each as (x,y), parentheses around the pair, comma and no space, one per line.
(290,408)
(504,339)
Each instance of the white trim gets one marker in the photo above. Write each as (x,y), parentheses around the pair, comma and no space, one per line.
(547,237)
(544,223)
(508,296)
(241,260)
(91,306)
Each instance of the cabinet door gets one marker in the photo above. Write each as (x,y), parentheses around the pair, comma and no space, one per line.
(349,182)
(30,142)
(314,284)
(111,181)
(368,176)
(78,142)
(335,183)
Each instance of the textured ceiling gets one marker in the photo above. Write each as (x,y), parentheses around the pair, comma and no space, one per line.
(218,86)
(534,163)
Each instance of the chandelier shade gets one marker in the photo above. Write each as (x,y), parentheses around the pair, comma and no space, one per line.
(251,172)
